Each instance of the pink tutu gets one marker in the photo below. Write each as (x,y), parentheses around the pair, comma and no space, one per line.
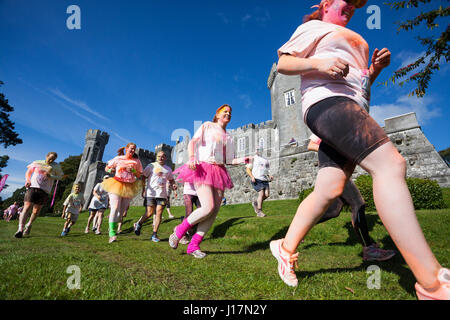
(205,173)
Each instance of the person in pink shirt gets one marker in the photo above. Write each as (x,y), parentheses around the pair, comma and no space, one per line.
(124,186)
(333,64)
(40,177)
(11,211)
(210,149)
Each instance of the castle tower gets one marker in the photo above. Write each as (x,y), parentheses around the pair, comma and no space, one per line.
(286,108)
(145,156)
(91,169)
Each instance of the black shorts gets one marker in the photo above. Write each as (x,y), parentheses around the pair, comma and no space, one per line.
(152,202)
(259,185)
(348,132)
(36,196)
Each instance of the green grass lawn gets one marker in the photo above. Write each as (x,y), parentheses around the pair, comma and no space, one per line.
(239,264)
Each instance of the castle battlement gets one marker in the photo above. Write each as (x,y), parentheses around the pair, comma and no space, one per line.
(95,134)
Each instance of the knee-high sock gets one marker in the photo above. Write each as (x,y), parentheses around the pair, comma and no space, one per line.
(113,229)
(195,243)
(182,228)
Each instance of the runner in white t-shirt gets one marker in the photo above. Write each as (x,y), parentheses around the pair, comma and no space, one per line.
(155,192)
(258,171)
(333,63)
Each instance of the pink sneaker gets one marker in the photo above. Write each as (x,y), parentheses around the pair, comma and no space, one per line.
(286,263)
(443,293)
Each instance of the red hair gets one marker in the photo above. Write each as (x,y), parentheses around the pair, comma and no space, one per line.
(318,14)
(121,151)
(218,110)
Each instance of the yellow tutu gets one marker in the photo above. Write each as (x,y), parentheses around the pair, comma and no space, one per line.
(122,189)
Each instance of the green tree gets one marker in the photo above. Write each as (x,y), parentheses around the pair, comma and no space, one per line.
(436,44)
(7,134)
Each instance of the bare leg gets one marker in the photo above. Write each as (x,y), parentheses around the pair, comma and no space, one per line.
(157,221)
(396,210)
(24,215)
(329,185)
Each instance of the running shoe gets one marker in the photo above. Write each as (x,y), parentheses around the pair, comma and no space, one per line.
(173,240)
(198,254)
(171,216)
(86,230)
(27,230)
(184,240)
(261,214)
(155,238)
(97,232)
(255,206)
(94,229)
(137,229)
(443,293)
(373,253)
(63,233)
(18,234)
(286,263)
(112,239)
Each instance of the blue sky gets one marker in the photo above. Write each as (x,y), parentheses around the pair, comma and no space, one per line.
(142,69)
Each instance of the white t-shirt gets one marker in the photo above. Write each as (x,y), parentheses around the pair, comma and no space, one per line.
(103,202)
(189,189)
(318,39)
(157,177)
(212,144)
(42,181)
(260,168)
(74,202)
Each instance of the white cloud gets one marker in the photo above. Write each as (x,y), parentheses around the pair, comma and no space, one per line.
(423,107)
(224,18)
(79,104)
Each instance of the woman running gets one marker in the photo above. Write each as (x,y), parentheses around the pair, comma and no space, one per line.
(97,206)
(124,186)
(40,176)
(209,150)
(333,61)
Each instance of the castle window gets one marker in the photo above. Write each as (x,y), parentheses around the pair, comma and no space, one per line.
(241,144)
(289,97)
(261,143)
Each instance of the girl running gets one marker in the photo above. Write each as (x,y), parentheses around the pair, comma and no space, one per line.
(209,150)
(124,186)
(72,208)
(333,61)
(97,206)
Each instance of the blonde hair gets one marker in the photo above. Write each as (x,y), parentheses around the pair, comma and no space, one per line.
(219,109)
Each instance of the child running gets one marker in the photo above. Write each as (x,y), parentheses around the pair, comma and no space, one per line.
(209,150)
(333,63)
(124,186)
(97,206)
(72,208)
(158,175)
(190,199)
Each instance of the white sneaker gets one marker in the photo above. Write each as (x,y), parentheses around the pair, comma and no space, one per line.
(286,263)
(173,240)
(184,240)
(198,254)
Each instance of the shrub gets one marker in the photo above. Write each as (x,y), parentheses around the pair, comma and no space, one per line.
(425,193)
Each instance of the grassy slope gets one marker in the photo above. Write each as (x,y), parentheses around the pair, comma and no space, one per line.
(239,264)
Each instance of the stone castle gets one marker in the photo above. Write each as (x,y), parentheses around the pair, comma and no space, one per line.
(284,140)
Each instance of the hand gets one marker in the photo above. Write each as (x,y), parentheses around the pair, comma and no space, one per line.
(192,165)
(271,178)
(98,197)
(381,58)
(253,179)
(336,68)
(27,184)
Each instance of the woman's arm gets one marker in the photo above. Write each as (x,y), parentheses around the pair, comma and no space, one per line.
(380,60)
(334,67)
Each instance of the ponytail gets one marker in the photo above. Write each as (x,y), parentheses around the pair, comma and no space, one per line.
(318,14)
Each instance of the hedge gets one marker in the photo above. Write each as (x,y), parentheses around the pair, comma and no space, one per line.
(426,194)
